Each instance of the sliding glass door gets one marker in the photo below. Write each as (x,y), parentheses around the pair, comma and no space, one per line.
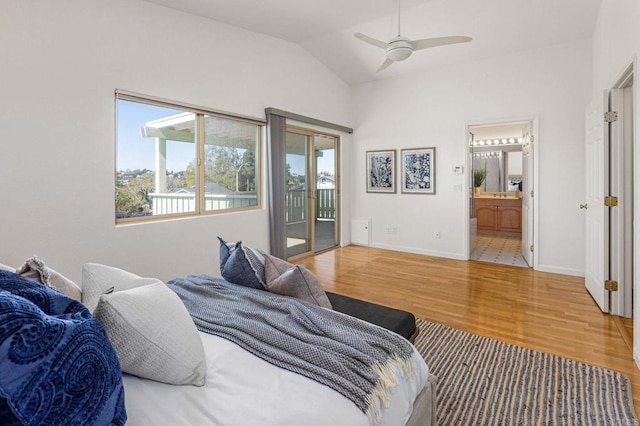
(299,192)
(325,148)
(311,199)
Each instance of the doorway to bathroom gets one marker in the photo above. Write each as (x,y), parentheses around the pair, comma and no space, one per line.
(501,192)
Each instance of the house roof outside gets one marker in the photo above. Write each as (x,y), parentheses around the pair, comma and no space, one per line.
(325,182)
(219,131)
(210,188)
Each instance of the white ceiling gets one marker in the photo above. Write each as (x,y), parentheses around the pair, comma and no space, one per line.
(325,27)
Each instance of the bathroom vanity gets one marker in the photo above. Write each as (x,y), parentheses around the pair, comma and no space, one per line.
(498,213)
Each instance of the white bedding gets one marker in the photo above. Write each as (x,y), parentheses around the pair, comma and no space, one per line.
(243,390)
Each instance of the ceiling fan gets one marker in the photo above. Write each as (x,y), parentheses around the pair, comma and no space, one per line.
(400,48)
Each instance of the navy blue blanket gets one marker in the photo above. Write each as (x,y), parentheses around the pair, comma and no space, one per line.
(57,366)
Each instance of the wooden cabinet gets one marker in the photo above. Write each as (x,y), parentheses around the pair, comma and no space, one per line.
(499,214)
(487,215)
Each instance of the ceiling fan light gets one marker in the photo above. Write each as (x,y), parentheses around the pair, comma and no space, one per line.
(398,54)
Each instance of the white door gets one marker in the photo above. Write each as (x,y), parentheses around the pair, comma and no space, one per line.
(527,196)
(596,214)
(620,178)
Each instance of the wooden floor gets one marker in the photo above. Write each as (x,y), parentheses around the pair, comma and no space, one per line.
(546,312)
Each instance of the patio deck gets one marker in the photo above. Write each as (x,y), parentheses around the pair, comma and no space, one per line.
(324,237)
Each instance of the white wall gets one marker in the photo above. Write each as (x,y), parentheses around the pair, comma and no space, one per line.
(616,41)
(432,109)
(62,61)
(616,44)
(514,163)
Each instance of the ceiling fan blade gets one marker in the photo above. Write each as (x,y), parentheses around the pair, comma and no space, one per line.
(439,41)
(385,65)
(371,40)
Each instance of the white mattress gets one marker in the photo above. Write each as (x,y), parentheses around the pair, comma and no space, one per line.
(242,389)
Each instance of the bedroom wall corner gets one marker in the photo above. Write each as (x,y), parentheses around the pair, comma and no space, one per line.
(431,109)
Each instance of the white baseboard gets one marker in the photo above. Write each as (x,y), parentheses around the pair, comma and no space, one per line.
(559,270)
(434,253)
(457,256)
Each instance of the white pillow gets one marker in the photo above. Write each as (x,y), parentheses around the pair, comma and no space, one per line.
(153,335)
(7,268)
(98,279)
(36,270)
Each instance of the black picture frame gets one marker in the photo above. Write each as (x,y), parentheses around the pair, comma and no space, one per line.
(418,170)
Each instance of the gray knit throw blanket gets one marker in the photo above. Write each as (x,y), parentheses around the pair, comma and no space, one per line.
(358,360)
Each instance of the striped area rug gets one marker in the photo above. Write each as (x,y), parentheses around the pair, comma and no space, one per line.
(482,381)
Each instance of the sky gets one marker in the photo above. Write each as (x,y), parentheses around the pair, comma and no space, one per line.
(135,152)
(325,163)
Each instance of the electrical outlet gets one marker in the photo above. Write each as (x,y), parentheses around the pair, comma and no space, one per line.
(394,230)
(437,235)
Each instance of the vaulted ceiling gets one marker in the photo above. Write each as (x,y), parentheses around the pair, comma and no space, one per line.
(325,28)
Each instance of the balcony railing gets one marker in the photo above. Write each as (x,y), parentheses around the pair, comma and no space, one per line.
(295,203)
(326,204)
(183,203)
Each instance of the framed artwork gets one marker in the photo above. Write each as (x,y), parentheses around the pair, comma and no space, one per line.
(419,171)
(381,171)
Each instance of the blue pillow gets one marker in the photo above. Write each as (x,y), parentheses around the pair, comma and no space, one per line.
(56,363)
(225,251)
(242,265)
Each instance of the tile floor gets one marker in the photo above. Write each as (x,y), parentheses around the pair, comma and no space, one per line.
(499,247)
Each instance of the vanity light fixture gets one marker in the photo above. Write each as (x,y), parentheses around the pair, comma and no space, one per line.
(502,141)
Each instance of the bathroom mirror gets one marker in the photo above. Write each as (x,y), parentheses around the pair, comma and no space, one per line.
(502,166)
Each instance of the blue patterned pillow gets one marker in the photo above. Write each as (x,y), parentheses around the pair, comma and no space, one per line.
(57,364)
(242,265)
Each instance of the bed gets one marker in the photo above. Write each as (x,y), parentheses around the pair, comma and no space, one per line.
(234,386)
(242,389)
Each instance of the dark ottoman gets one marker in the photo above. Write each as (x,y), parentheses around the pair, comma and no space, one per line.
(400,322)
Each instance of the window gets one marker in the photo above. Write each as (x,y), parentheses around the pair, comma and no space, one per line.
(173,160)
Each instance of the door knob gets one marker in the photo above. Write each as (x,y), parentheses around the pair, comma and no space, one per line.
(583,206)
